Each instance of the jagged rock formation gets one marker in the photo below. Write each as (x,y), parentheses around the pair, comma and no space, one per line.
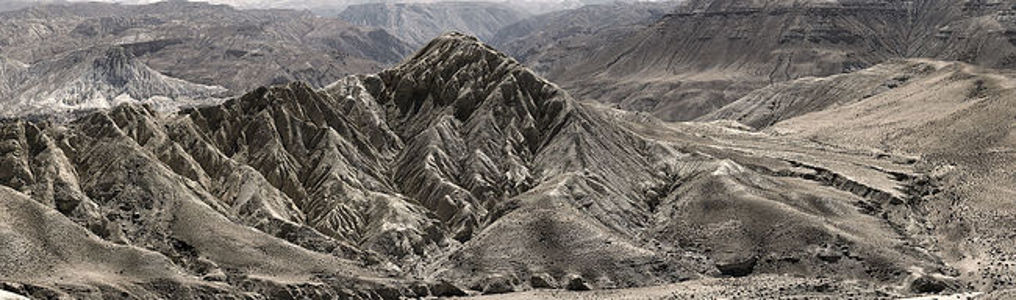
(203,43)
(418,23)
(708,53)
(97,78)
(456,172)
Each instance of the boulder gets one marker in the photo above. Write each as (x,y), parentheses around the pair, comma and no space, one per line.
(542,281)
(929,284)
(829,255)
(737,267)
(577,283)
(447,289)
(498,284)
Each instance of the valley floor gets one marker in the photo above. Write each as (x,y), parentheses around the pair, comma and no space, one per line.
(754,287)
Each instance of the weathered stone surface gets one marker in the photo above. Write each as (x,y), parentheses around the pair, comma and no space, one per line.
(543,281)
(447,289)
(576,282)
(737,267)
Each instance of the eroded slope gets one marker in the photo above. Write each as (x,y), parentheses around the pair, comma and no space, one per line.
(460,171)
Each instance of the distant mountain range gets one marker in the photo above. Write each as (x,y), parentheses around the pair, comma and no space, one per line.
(418,23)
(326,7)
(560,39)
(704,54)
(202,44)
(92,79)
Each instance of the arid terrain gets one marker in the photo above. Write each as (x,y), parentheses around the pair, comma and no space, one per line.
(719,149)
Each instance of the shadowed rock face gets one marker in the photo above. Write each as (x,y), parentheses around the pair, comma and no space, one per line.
(458,171)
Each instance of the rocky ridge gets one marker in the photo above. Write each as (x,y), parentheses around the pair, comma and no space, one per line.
(456,172)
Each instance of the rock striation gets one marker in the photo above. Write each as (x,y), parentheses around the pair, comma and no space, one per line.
(456,172)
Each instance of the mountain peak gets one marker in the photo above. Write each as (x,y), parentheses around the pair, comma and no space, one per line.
(116,65)
(454,41)
(459,71)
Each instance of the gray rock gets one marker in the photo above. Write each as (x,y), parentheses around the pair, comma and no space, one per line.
(737,267)
(577,283)
(542,281)
(498,284)
(829,254)
(447,289)
(930,284)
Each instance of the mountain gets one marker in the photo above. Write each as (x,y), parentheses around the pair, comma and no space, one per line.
(456,172)
(418,23)
(330,7)
(708,53)
(205,44)
(94,79)
(553,41)
(7,5)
